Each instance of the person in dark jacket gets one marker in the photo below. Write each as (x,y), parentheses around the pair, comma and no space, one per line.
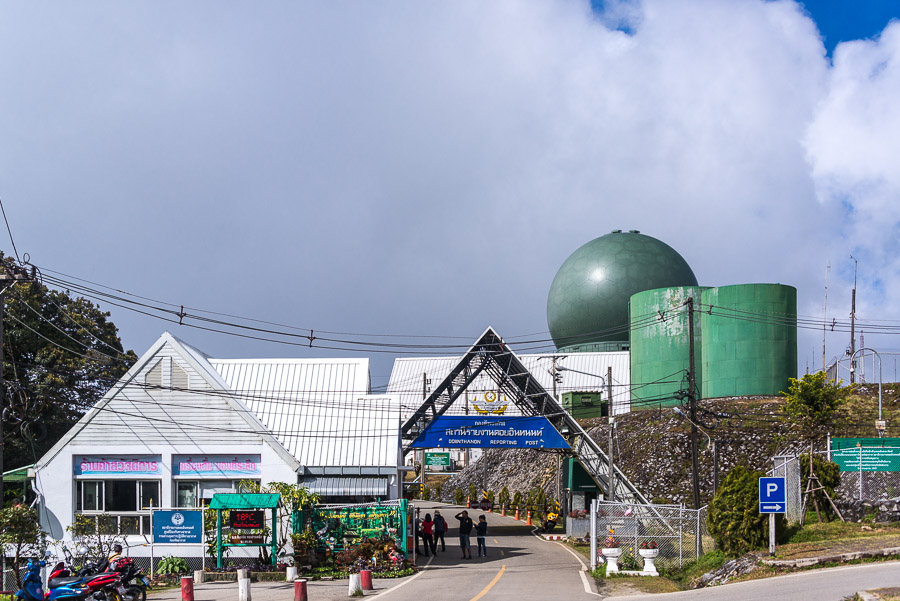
(440,527)
(465,531)
(481,535)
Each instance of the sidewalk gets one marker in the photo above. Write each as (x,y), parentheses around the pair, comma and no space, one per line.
(318,590)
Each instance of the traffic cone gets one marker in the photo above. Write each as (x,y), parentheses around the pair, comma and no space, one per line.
(517,512)
(503,510)
(468,502)
(528,523)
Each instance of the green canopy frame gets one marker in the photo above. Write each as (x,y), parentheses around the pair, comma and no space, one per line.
(243,501)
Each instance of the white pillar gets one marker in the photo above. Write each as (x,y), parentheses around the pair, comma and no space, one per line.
(244,589)
(355,586)
(291,573)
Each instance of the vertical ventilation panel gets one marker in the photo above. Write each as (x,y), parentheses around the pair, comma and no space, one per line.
(180,380)
(154,375)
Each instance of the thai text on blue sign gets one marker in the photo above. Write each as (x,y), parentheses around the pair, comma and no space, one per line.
(216,465)
(178,526)
(125,465)
(517,432)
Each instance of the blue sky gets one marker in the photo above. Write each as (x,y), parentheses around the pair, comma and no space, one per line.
(425,168)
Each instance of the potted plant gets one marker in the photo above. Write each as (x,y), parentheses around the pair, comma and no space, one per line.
(649,551)
(611,552)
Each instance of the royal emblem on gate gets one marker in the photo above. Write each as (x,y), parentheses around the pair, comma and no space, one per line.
(491,404)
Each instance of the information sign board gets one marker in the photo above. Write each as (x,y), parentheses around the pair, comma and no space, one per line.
(247,519)
(495,432)
(873,459)
(177,526)
(437,459)
(772,495)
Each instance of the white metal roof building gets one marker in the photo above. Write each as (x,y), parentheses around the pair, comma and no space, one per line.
(179,427)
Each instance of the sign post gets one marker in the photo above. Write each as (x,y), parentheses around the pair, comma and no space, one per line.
(772,500)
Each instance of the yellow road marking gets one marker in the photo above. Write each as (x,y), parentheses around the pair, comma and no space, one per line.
(490,584)
(496,542)
(502,553)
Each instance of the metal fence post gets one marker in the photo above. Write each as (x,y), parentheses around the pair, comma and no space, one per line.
(680,535)
(860,474)
(594,534)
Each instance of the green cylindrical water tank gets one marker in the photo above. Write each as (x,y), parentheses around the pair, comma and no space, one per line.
(749,339)
(660,345)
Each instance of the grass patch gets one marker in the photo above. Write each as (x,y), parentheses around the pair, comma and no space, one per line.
(687,574)
(887,594)
(643,584)
(823,531)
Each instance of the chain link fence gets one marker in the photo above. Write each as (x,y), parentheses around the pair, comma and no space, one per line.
(680,534)
(788,467)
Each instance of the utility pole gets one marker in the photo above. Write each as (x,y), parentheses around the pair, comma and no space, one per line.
(424,396)
(692,395)
(853,324)
(825,312)
(9,275)
(612,426)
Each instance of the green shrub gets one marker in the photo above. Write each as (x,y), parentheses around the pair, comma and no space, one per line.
(829,475)
(459,497)
(504,496)
(517,500)
(172,565)
(473,493)
(734,520)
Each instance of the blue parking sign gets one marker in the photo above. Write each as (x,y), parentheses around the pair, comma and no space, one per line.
(772,495)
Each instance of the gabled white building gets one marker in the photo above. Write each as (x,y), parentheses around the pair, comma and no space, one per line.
(180,426)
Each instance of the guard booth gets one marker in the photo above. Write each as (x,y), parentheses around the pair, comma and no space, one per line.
(246,521)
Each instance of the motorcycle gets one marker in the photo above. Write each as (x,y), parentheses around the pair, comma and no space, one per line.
(133,579)
(102,584)
(68,589)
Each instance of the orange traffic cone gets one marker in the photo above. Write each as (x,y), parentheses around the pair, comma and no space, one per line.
(503,510)
(528,522)
(517,513)
(468,502)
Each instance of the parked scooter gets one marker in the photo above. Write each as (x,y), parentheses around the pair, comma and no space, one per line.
(133,579)
(103,584)
(69,589)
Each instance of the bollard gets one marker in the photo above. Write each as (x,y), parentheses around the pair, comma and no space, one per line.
(528,522)
(199,576)
(244,589)
(517,513)
(300,590)
(291,573)
(243,573)
(355,586)
(365,580)
(187,588)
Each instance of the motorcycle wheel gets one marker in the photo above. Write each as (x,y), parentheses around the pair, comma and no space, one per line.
(135,593)
(114,595)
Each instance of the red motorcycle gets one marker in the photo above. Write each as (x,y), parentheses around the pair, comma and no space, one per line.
(102,585)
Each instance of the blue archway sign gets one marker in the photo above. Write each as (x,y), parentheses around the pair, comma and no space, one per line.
(514,432)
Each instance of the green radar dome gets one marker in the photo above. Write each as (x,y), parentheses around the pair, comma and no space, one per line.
(587,308)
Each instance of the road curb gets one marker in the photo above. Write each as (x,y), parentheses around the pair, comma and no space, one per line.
(838,558)
(865,596)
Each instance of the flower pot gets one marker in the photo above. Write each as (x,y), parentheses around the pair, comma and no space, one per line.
(649,555)
(612,557)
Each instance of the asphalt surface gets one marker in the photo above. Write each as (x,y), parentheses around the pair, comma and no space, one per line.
(831,584)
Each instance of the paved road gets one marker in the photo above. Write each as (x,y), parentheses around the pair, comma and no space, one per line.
(519,566)
(831,584)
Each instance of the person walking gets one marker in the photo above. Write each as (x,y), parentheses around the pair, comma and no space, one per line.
(428,535)
(465,531)
(481,534)
(440,527)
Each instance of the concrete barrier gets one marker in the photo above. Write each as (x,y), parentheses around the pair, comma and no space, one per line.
(355,586)
(187,588)
(365,580)
(199,576)
(300,593)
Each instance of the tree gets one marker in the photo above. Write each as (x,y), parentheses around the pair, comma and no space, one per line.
(61,353)
(504,497)
(829,475)
(99,538)
(21,533)
(517,499)
(812,403)
(733,519)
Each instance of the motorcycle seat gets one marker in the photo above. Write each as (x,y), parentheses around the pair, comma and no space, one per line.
(64,581)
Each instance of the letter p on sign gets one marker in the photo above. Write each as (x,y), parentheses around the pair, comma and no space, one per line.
(771,487)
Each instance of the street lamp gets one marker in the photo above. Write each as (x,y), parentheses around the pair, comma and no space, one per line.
(853,369)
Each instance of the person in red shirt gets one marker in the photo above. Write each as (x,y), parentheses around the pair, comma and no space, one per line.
(428,535)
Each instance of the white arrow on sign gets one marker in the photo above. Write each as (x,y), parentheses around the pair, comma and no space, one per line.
(775,507)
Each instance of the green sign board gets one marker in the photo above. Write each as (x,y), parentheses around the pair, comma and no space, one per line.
(437,459)
(873,454)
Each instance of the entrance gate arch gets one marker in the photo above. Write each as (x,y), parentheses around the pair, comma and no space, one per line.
(492,357)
